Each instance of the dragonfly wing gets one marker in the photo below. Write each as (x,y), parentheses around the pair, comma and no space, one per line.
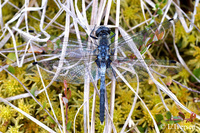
(72,44)
(73,54)
(142,39)
(129,68)
(74,73)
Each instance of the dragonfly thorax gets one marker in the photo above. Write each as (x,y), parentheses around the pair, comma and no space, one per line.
(103,40)
(103,52)
(103,55)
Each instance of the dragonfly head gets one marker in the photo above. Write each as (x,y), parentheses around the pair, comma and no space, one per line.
(102,31)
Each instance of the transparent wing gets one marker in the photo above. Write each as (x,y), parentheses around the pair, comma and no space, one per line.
(72,73)
(78,53)
(142,39)
(129,68)
(80,46)
(75,73)
(77,61)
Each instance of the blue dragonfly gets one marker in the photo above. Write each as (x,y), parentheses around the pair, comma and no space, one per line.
(99,58)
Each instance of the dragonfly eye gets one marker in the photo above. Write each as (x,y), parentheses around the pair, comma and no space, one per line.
(102,31)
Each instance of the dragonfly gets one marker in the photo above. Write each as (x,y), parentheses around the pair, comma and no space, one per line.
(98,58)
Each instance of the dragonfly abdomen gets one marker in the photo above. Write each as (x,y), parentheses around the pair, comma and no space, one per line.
(102,98)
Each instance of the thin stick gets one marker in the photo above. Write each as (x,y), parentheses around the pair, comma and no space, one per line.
(62,112)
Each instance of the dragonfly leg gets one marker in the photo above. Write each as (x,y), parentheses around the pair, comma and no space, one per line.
(111,38)
(94,50)
(92,32)
(112,35)
(112,52)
